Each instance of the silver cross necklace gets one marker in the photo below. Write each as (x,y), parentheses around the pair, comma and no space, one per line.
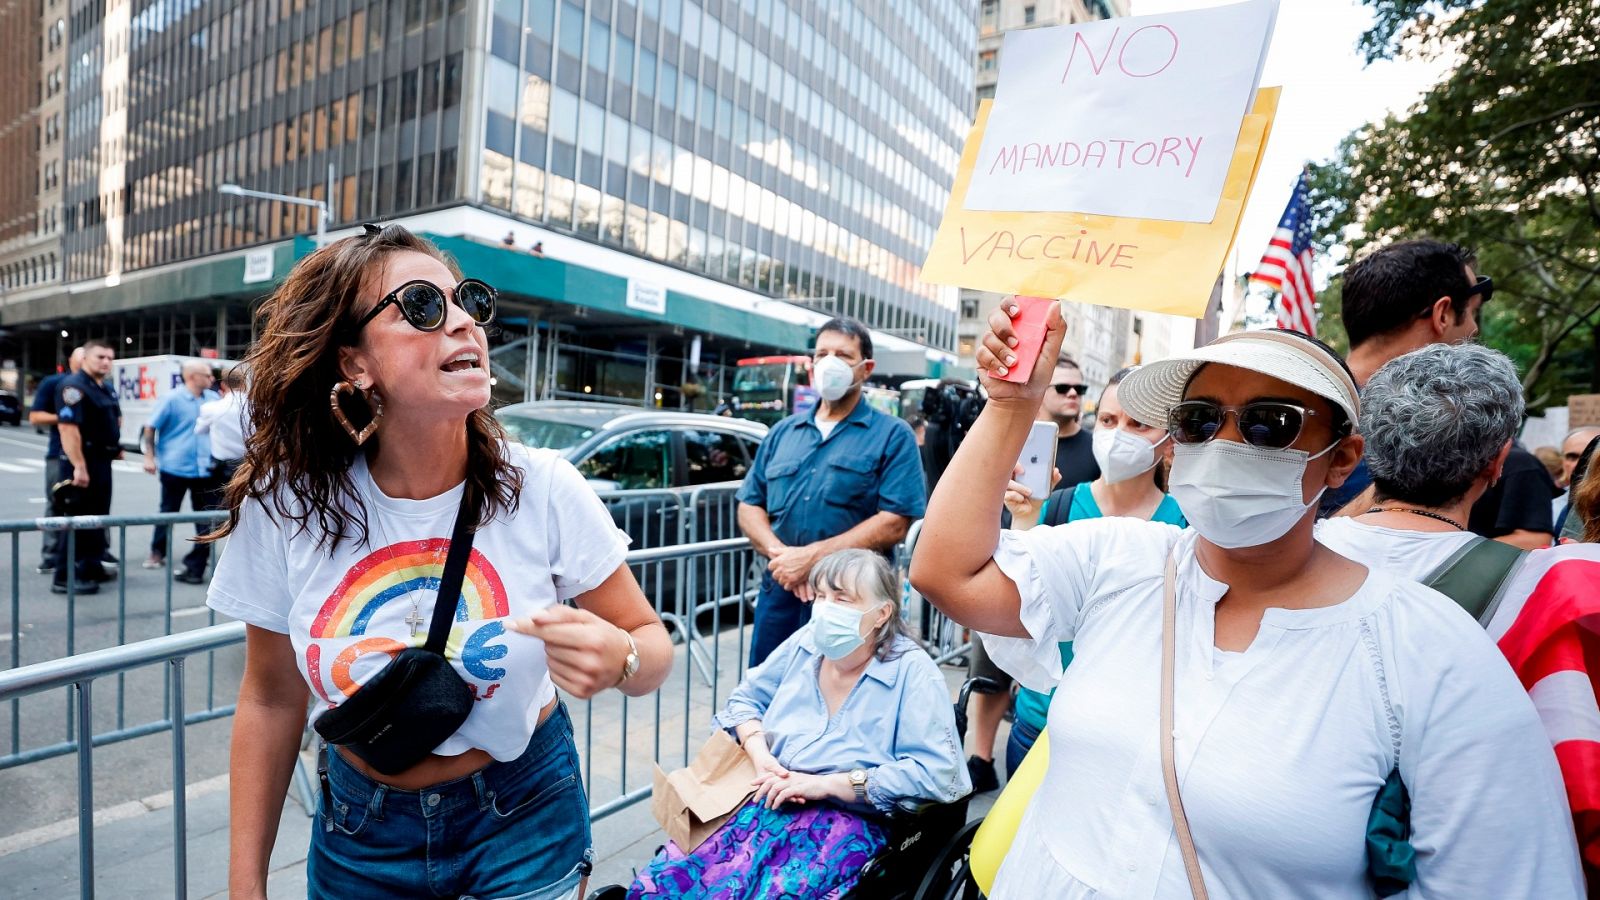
(413,618)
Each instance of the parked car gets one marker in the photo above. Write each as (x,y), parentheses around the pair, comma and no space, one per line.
(10,408)
(630,449)
(651,466)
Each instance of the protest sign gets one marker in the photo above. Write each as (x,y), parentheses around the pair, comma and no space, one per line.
(1148,264)
(1583,409)
(1133,117)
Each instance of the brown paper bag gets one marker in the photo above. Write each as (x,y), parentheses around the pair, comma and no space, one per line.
(693,803)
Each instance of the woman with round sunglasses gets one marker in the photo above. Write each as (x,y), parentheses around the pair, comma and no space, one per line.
(371,435)
(1299,680)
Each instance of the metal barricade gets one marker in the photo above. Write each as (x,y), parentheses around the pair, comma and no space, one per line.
(944,640)
(618,745)
(62,627)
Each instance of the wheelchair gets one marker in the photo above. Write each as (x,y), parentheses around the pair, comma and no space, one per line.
(926,856)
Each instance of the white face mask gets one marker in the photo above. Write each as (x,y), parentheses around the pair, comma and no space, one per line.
(1237,495)
(836,628)
(1122,454)
(832,377)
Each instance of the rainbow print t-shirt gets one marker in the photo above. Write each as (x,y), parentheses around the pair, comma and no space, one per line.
(349,612)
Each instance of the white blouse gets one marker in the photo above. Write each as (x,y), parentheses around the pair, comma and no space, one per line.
(1280,749)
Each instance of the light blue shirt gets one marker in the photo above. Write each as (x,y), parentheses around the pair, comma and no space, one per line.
(180,450)
(898,722)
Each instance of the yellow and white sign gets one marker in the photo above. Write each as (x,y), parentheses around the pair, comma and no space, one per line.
(1148,264)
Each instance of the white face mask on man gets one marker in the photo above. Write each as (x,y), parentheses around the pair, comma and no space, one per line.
(832,377)
(1122,454)
(1236,495)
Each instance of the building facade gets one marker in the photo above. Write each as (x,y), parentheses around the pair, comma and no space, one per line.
(787,159)
(1101,340)
(32,60)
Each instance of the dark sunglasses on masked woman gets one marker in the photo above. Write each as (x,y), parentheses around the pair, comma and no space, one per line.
(1270,424)
(424,305)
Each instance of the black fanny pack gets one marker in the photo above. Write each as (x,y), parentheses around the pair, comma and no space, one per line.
(417,701)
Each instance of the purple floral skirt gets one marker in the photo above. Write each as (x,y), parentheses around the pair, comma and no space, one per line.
(763,854)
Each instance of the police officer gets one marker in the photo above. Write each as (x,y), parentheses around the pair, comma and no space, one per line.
(842,475)
(90,423)
(46,397)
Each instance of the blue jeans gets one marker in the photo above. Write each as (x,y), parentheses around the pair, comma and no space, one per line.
(1018,744)
(514,830)
(778,615)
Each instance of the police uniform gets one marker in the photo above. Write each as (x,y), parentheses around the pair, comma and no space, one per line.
(93,408)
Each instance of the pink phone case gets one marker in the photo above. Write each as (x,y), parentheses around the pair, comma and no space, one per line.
(1030,328)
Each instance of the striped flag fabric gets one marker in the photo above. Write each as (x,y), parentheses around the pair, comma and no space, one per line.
(1286,266)
(1548,627)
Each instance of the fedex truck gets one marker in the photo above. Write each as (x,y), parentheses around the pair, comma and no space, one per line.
(142,381)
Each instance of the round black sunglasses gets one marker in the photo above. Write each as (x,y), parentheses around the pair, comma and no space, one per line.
(423,303)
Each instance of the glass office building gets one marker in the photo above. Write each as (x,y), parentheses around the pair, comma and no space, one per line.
(799,149)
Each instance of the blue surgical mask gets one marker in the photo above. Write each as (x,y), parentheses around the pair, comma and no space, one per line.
(836,628)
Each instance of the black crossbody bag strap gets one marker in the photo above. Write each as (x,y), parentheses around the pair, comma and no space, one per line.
(455,568)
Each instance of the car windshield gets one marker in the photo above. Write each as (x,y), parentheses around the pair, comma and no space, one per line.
(536,432)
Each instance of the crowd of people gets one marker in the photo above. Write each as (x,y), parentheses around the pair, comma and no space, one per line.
(1286,624)
(193,441)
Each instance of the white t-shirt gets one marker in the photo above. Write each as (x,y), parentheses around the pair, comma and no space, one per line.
(227,422)
(1280,749)
(345,610)
(1413,555)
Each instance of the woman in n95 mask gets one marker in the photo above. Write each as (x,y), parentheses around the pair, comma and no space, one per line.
(1293,683)
(1133,457)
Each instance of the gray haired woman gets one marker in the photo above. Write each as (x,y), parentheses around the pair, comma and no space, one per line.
(1439,424)
(845,718)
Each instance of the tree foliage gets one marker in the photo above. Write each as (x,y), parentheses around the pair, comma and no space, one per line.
(1501,155)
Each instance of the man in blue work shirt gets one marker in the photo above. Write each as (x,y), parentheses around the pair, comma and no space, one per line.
(184,464)
(842,475)
(43,414)
(89,420)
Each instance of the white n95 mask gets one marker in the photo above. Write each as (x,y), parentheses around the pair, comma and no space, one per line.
(832,377)
(1121,454)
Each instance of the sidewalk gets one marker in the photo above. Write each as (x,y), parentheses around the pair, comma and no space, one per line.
(134,841)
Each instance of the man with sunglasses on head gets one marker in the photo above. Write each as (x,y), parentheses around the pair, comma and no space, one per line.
(1403,297)
(1063,405)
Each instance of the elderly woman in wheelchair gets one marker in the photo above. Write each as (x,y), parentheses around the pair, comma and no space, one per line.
(847,721)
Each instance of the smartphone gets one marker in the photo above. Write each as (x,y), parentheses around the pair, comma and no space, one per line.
(1038,458)
(1030,328)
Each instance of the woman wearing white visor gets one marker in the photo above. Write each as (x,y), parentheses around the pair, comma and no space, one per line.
(1295,681)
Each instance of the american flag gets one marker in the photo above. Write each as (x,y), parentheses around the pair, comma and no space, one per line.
(1286,266)
(1549,629)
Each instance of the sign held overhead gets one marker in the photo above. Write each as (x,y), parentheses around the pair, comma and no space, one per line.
(1134,117)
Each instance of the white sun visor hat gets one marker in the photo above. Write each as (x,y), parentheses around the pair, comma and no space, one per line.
(1151,391)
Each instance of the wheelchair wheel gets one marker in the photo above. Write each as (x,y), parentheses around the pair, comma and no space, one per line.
(950,876)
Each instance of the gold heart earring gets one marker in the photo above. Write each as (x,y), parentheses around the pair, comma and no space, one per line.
(373,401)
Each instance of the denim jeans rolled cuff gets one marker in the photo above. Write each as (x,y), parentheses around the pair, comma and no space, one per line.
(516,830)
(1023,736)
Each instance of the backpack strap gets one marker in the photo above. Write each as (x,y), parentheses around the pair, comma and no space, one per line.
(1475,576)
